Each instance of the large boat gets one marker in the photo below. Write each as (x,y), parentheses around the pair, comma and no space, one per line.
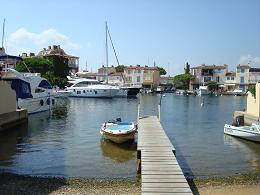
(91,88)
(203,90)
(117,131)
(33,92)
(246,132)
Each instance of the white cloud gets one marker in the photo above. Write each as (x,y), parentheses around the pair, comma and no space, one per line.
(21,40)
(249,60)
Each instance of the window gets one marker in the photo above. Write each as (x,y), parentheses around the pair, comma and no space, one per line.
(39,90)
(242,79)
(138,79)
(45,84)
(217,79)
(129,71)
(228,78)
(78,92)
(84,91)
(242,70)
(233,78)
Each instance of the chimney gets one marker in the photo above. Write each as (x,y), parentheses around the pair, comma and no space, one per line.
(24,55)
(44,49)
(32,54)
(49,47)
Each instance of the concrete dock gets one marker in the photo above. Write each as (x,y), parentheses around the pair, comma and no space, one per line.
(160,171)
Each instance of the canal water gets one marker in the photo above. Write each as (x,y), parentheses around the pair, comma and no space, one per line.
(67,143)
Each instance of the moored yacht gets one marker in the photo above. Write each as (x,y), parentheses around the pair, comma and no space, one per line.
(91,88)
(33,92)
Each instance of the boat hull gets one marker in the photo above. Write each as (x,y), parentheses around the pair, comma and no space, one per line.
(119,139)
(244,134)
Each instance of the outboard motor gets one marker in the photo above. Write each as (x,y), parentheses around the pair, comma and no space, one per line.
(238,121)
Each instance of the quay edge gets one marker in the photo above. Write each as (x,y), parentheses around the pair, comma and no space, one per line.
(11,119)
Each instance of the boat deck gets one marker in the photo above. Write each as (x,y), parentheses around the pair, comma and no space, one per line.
(160,171)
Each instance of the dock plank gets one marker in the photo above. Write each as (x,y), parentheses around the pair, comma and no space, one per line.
(161,173)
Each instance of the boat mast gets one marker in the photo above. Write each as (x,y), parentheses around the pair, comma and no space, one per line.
(3,34)
(106,55)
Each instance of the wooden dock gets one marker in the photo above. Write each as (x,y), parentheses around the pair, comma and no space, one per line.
(160,171)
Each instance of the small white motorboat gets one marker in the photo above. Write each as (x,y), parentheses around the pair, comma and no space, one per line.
(117,131)
(246,132)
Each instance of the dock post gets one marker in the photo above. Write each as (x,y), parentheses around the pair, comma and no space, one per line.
(159,112)
(138,112)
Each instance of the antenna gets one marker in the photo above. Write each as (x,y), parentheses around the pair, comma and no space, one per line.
(3,33)
(86,65)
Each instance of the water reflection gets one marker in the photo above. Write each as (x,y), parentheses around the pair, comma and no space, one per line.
(8,141)
(251,150)
(118,153)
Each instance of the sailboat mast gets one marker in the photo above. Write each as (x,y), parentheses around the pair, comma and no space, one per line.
(106,56)
(3,33)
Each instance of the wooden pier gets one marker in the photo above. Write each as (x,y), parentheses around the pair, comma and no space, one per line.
(160,171)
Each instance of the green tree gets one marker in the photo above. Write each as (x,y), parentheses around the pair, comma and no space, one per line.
(187,68)
(162,71)
(212,85)
(252,90)
(35,64)
(182,81)
(54,69)
(120,68)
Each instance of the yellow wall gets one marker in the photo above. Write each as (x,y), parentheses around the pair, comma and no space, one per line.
(253,104)
(7,98)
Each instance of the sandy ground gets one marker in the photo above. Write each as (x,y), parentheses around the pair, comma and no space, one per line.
(230,190)
(17,184)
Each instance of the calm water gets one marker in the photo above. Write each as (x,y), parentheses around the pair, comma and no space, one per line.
(67,142)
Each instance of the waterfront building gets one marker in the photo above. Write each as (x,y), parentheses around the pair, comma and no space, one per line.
(103,72)
(116,78)
(230,82)
(242,77)
(254,76)
(205,73)
(147,77)
(56,50)
(8,61)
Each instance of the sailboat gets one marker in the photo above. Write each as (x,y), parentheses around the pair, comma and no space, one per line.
(123,90)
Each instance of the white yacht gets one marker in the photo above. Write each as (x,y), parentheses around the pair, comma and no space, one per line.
(33,92)
(203,90)
(91,88)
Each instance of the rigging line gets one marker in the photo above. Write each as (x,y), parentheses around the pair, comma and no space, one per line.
(113,46)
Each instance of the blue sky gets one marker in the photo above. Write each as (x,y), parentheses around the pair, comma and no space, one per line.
(169,32)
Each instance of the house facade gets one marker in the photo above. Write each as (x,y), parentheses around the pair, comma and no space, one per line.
(242,77)
(230,83)
(254,76)
(148,77)
(205,73)
(8,61)
(56,50)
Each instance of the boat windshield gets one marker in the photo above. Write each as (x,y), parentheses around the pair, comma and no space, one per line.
(255,128)
(86,83)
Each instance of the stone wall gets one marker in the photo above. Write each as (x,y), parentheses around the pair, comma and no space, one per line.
(253,103)
(7,98)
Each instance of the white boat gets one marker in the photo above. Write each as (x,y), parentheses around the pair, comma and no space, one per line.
(33,92)
(246,132)
(203,90)
(91,88)
(117,131)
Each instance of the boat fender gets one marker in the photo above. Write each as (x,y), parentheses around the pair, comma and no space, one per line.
(48,101)
(41,102)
